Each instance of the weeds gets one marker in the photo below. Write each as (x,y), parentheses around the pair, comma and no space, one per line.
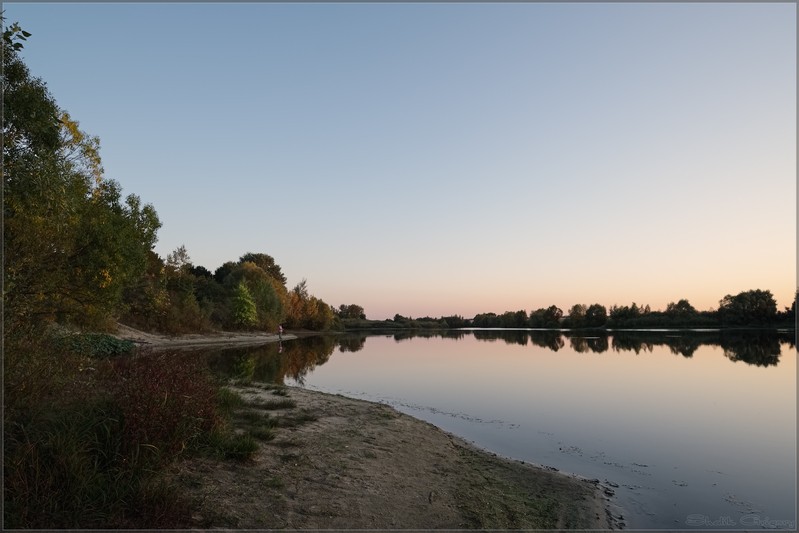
(228,445)
(85,441)
(168,400)
(285,403)
(228,400)
(88,436)
(68,470)
(291,421)
(263,433)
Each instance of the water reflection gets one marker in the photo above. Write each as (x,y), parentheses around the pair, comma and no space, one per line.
(754,347)
(273,363)
(456,334)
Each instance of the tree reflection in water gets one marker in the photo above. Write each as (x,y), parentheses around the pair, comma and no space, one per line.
(273,363)
(754,347)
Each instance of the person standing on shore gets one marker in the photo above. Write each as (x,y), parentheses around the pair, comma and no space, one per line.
(280,331)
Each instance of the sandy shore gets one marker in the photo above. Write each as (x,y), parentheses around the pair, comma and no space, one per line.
(200,340)
(335,462)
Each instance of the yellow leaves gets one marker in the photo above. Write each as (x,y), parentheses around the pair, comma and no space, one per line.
(105,278)
(81,149)
(72,128)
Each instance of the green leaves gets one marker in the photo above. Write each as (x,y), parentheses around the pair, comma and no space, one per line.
(71,243)
(13,35)
(245,313)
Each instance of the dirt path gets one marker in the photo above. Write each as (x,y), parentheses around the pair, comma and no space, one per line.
(336,462)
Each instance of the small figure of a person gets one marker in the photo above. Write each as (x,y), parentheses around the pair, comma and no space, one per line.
(280,332)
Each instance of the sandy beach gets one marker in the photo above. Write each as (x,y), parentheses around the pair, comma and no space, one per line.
(222,339)
(341,463)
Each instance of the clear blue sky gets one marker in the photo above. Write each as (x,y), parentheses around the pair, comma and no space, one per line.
(429,159)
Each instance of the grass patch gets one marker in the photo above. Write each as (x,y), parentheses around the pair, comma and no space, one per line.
(251,417)
(228,400)
(272,405)
(263,433)
(297,419)
(228,445)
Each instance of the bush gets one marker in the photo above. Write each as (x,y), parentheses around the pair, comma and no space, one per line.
(68,469)
(86,440)
(97,345)
(167,399)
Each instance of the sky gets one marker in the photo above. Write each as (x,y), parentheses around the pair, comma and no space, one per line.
(449,158)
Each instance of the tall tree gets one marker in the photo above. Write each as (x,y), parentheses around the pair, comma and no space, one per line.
(71,244)
(577,315)
(552,316)
(754,307)
(595,316)
(266,263)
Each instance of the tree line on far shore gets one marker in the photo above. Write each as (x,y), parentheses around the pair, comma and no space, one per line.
(753,308)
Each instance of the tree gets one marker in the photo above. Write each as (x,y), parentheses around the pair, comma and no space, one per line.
(245,313)
(307,311)
(351,311)
(681,308)
(754,307)
(147,299)
(71,244)
(790,312)
(552,316)
(272,301)
(577,315)
(221,273)
(536,319)
(514,319)
(486,320)
(595,316)
(546,318)
(179,259)
(681,312)
(266,263)
(201,272)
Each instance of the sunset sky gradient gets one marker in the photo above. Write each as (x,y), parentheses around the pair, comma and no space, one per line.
(436,159)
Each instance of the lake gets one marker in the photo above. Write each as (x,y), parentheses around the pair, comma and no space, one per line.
(692,430)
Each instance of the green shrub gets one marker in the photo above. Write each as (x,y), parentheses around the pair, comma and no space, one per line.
(96,345)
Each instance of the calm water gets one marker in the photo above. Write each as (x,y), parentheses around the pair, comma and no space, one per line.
(693,431)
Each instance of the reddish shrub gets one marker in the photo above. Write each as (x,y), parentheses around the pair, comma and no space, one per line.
(167,400)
